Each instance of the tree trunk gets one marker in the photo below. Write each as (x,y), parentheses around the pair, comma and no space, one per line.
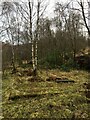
(12,47)
(31,36)
(83,14)
(37,38)
(13,62)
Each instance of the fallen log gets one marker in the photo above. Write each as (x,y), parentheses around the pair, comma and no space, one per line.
(64,80)
(23,96)
(54,78)
(27,96)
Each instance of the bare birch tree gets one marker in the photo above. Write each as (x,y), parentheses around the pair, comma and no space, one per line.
(81,4)
(37,36)
(84,17)
(7,8)
(30,4)
(34,41)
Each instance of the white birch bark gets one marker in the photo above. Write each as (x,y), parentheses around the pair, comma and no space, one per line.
(37,35)
(31,36)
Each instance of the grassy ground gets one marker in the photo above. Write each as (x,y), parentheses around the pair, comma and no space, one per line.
(44,99)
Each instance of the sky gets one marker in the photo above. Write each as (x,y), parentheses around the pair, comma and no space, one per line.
(51,5)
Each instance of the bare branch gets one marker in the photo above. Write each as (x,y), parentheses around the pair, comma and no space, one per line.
(84,17)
